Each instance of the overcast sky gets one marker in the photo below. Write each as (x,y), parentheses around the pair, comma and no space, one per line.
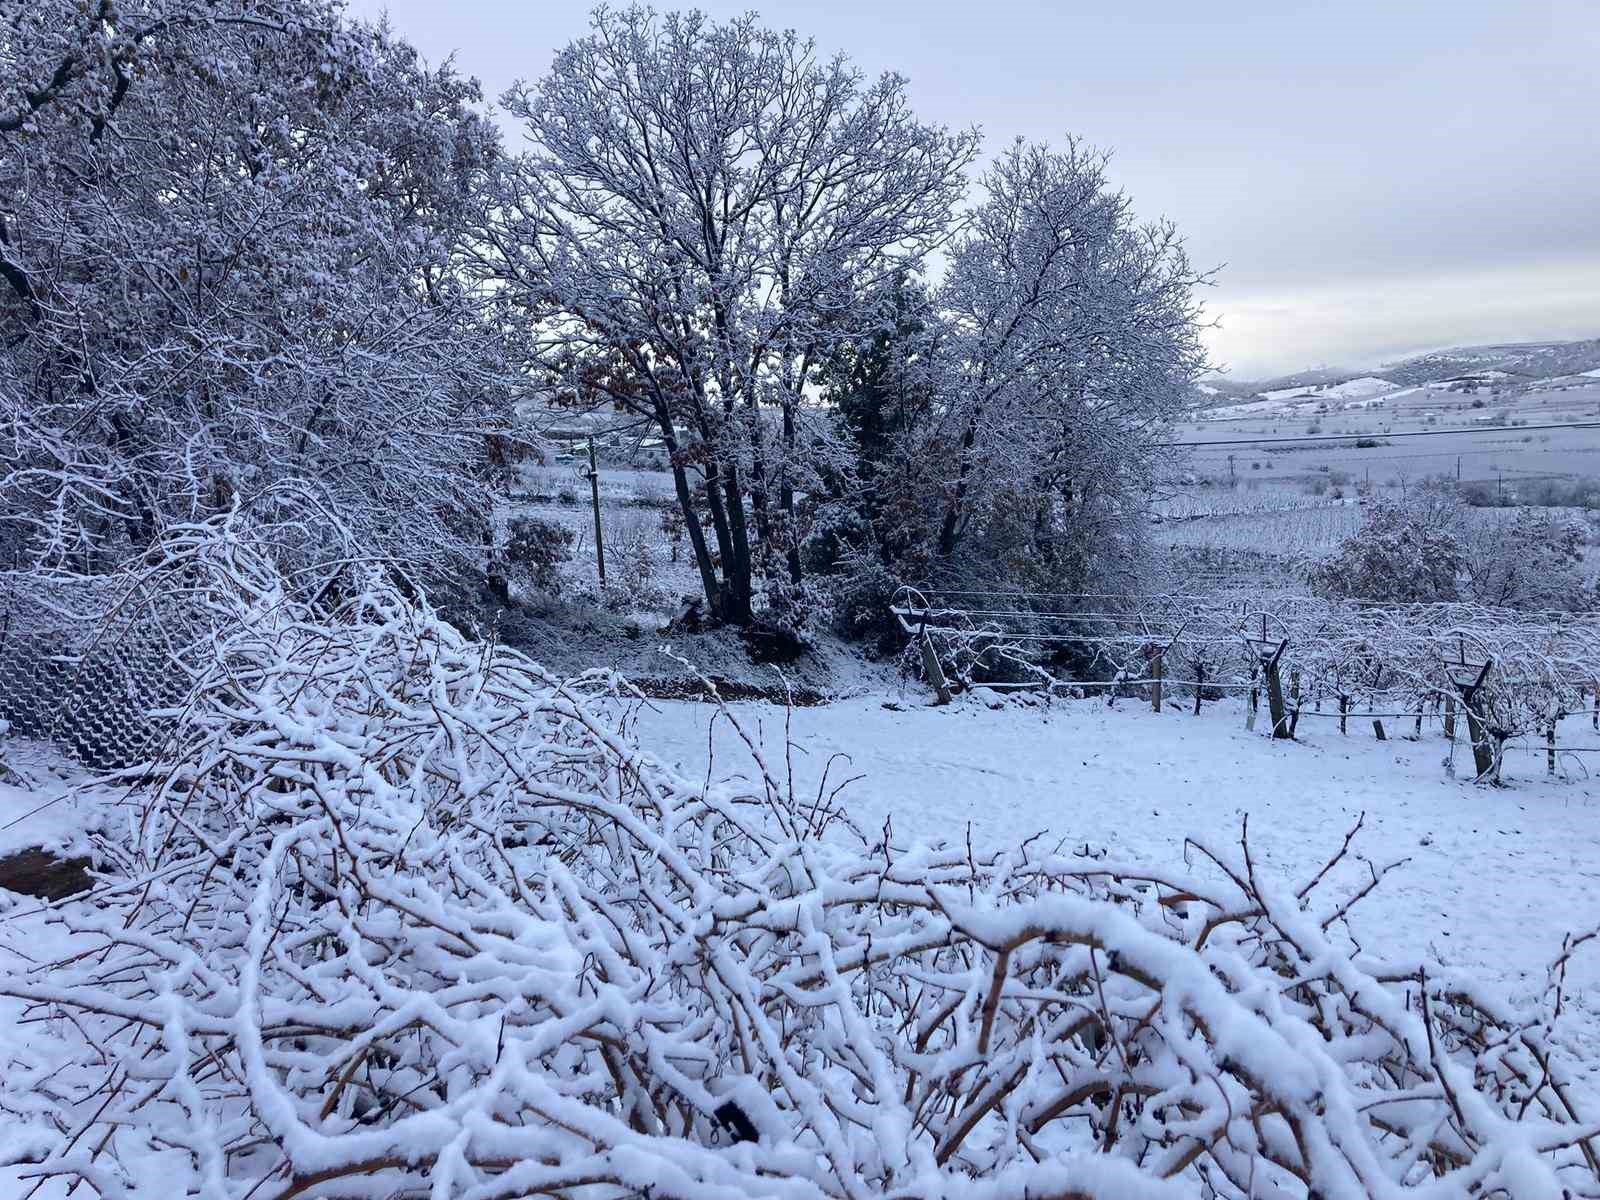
(1373,177)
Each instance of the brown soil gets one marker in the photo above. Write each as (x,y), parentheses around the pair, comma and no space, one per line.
(44,875)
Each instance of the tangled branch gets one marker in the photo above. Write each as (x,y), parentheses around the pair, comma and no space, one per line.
(400,914)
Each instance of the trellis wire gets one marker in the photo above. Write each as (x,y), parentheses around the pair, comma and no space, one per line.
(1547,662)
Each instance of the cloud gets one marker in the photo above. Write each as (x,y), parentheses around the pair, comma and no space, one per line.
(1366,323)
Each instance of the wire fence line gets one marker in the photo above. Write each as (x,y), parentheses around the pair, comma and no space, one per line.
(97,673)
(84,669)
(1525,672)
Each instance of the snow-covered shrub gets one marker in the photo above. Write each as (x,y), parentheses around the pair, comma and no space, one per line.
(411,917)
(536,548)
(859,595)
(634,541)
(1404,553)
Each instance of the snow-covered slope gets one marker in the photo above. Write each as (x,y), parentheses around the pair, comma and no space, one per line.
(1532,364)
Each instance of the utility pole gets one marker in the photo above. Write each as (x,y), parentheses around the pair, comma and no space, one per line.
(594,495)
(1458,468)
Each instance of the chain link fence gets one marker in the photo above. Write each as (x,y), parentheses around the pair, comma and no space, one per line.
(90,674)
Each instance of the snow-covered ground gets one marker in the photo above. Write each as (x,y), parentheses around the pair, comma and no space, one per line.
(40,805)
(1496,877)
(1494,880)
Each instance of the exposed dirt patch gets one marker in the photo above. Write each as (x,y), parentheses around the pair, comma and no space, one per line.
(44,875)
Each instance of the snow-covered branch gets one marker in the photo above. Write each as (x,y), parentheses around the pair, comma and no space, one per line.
(410,914)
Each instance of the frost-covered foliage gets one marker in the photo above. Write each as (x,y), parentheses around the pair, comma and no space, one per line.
(1011,423)
(1404,552)
(535,549)
(701,211)
(228,240)
(399,914)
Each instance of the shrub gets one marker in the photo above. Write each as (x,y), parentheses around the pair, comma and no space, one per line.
(536,548)
(1403,553)
(633,537)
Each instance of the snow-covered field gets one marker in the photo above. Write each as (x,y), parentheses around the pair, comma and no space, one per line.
(1495,877)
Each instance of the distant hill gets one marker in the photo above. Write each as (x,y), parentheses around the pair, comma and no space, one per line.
(1306,380)
(1521,360)
(1512,364)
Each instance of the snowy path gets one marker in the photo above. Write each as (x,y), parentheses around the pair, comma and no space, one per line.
(1496,877)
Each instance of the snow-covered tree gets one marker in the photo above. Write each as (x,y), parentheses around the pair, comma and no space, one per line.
(709,203)
(229,234)
(1533,561)
(1405,552)
(1075,341)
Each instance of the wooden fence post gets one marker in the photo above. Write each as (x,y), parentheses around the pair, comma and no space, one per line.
(1199,686)
(1155,688)
(1478,731)
(594,496)
(1275,705)
(1484,756)
(1344,713)
(1377,728)
(1550,746)
(1450,719)
(935,673)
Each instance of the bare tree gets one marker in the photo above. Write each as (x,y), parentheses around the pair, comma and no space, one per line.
(228,236)
(704,205)
(1075,341)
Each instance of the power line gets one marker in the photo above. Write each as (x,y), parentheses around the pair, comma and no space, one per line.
(1353,437)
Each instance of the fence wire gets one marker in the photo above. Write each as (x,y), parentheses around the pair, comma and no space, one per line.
(89,674)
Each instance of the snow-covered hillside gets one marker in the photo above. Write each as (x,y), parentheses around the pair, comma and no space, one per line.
(1533,365)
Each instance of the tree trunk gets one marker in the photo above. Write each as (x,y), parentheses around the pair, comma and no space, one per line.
(786,496)
(691,521)
(736,593)
(952,511)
